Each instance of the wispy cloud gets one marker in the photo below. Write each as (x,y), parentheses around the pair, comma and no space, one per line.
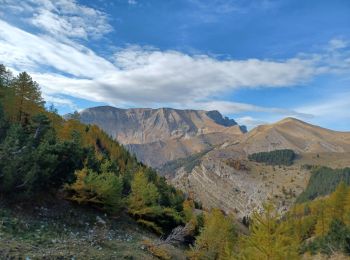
(212,11)
(250,122)
(132,2)
(59,101)
(146,76)
(334,109)
(61,18)
(228,107)
(24,50)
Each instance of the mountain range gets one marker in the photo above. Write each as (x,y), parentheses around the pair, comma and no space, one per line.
(206,154)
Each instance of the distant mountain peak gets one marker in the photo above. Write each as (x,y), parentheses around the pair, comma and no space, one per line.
(169,122)
(291,120)
(219,119)
(160,134)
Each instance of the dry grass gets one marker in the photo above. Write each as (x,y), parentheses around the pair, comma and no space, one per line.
(63,231)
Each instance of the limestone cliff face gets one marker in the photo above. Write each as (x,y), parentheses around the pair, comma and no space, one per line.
(156,136)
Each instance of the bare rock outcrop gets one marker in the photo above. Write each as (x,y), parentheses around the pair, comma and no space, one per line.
(156,136)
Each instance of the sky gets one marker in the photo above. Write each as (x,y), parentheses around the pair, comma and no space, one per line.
(257,61)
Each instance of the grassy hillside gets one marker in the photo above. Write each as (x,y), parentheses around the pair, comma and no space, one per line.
(58,229)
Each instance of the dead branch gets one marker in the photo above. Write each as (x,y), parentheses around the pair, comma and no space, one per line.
(177,235)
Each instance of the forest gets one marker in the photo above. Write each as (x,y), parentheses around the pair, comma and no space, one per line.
(41,154)
(44,156)
(276,157)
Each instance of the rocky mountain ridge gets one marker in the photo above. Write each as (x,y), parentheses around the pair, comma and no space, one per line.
(156,136)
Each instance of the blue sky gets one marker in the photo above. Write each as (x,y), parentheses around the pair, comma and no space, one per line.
(256,61)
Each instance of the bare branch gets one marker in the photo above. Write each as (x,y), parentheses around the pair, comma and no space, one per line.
(177,235)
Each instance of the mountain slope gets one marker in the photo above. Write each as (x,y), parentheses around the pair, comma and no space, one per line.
(297,135)
(225,178)
(156,136)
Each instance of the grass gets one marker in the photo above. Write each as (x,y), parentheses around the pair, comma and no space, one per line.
(65,231)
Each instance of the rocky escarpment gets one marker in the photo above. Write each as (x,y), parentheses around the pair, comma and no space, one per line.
(156,136)
(219,185)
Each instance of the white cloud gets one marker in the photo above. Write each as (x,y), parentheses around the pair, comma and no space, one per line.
(61,18)
(144,76)
(30,52)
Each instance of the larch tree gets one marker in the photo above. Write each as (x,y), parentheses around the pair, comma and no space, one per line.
(217,238)
(27,98)
(324,217)
(346,215)
(269,238)
(143,202)
(143,193)
(103,190)
(6,93)
(328,209)
(338,201)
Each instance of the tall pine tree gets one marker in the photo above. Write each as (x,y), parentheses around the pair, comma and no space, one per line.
(27,98)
